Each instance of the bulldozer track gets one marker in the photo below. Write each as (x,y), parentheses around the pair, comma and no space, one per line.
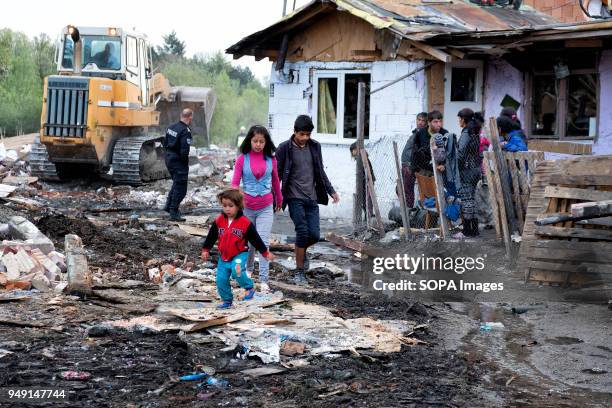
(40,166)
(127,161)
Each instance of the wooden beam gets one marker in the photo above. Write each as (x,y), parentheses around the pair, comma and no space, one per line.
(595,209)
(434,52)
(562,232)
(584,43)
(557,146)
(577,193)
(402,193)
(501,170)
(456,53)
(581,180)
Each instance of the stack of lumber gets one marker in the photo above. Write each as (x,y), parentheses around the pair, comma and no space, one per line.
(567,238)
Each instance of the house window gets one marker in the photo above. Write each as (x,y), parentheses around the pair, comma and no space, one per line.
(351,92)
(335,102)
(564,107)
(582,105)
(327,105)
(463,85)
(544,105)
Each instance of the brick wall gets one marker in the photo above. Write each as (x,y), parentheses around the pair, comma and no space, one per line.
(565,10)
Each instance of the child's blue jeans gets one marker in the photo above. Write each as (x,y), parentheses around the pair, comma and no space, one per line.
(227,270)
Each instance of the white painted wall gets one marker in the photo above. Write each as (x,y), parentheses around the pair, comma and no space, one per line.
(392,117)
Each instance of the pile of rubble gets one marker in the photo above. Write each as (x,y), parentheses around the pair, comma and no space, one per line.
(29,259)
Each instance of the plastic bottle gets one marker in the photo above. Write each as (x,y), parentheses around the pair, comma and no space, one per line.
(238,267)
(216,382)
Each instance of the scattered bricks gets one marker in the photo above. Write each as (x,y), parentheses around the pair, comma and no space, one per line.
(26,263)
(45,262)
(40,282)
(59,259)
(12,266)
(79,277)
(18,285)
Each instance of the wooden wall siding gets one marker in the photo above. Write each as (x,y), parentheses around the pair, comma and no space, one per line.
(337,37)
(435,87)
(565,10)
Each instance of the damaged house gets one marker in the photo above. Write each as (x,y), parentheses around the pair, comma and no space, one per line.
(546,61)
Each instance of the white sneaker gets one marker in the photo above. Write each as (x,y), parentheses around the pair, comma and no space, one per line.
(264,288)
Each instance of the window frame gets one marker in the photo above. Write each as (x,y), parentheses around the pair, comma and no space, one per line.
(562,105)
(127,51)
(340,75)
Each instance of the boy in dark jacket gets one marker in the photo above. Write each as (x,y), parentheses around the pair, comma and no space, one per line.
(234,231)
(421,155)
(304,186)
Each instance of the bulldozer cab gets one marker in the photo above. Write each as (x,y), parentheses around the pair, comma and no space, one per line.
(107,52)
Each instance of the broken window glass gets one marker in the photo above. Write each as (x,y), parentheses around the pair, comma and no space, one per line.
(463,85)
(582,105)
(351,86)
(327,105)
(544,105)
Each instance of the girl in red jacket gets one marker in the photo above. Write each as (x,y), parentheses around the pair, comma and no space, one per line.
(234,231)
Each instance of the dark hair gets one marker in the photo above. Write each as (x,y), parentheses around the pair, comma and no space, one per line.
(434,115)
(232,194)
(473,120)
(511,114)
(303,123)
(353,146)
(422,115)
(505,124)
(269,147)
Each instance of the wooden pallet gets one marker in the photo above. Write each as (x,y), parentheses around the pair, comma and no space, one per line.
(568,252)
(521,167)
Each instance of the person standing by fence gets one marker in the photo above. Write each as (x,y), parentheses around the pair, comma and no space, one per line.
(257,169)
(408,169)
(304,186)
(469,162)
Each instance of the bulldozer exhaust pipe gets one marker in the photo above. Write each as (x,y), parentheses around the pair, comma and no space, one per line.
(77,49)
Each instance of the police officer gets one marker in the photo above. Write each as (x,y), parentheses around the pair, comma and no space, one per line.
(177,143)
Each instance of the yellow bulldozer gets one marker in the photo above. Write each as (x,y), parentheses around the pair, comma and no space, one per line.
(106,111)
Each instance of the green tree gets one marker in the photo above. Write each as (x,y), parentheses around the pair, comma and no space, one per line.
(20,84)
(172,45)
(44,53)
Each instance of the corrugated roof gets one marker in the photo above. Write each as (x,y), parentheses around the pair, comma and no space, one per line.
(418,20)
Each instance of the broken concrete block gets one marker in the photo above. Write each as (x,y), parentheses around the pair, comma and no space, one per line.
(79,277)
(12,266)
(21,228)
(60,287)
(40,282)
(4,230)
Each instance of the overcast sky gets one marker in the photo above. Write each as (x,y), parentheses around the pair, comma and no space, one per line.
(205,26)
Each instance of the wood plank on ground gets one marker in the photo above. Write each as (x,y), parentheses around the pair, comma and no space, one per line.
(563,232)
(577,193)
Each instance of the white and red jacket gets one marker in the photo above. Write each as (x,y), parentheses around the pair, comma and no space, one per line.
(234,237)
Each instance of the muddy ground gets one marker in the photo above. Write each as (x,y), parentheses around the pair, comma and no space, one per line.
(460,366)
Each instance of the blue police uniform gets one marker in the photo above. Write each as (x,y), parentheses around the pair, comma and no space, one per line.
(177,142)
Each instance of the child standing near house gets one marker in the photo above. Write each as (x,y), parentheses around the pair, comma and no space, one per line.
(355,155)
(234,231)
(256,168)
